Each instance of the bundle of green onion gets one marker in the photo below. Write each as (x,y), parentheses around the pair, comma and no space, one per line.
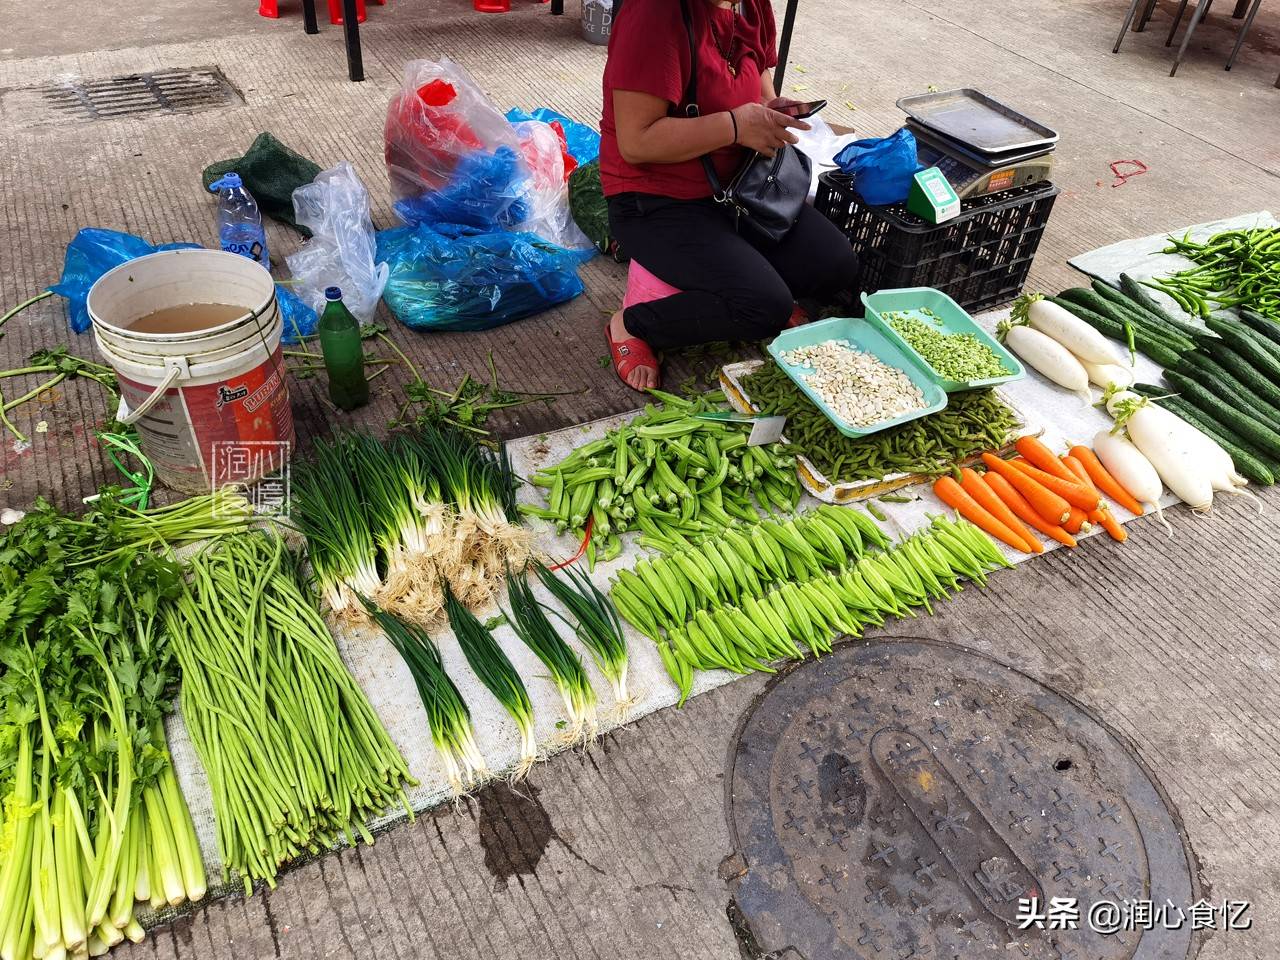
(91,818)
(529,620)
(393,521)
(295,755)
(447,713)
(494,668)
(597,626)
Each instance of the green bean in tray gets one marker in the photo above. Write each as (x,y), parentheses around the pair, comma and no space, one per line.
(668,474)
(956,356)
(973,421)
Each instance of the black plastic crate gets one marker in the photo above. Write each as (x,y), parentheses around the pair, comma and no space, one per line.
(980,259)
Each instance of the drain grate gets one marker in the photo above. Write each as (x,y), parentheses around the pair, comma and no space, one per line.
(166,91)
(894,800)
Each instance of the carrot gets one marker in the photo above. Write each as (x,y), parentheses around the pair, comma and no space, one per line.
(1045,502)
(1102,515)
(1077,522)
(1023,510)
(986,498)
(954,496)
(1038,455)
(1072,491)
(1104,481)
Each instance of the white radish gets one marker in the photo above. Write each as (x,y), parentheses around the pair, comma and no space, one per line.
(1049,358)
(1171,444)
(1067,329)
(1108,374)
(1131,470)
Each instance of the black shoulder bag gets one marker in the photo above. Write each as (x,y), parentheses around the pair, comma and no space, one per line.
(767,193)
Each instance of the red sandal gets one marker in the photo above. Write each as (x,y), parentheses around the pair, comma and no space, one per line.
(629,354)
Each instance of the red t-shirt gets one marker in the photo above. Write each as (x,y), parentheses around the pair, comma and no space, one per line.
(649,53)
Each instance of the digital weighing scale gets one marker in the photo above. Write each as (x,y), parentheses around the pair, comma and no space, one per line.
(980,145)
(973,176)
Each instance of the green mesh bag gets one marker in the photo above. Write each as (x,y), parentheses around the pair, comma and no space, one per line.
(271,171)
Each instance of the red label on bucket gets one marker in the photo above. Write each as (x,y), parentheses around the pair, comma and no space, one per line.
(205,435)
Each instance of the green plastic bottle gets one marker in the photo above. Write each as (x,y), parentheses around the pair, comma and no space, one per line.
(343,353)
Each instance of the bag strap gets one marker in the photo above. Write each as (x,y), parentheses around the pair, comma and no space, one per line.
(691,101)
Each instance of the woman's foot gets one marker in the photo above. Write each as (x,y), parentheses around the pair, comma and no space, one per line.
(633,361)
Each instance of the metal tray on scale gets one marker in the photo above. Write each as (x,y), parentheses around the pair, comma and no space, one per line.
(973,118)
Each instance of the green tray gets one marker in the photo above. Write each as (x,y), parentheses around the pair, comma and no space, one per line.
(869,339)
(949,317)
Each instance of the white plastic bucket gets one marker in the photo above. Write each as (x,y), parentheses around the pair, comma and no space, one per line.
(210,406)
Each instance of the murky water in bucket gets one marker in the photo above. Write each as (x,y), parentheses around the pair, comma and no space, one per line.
(187,318)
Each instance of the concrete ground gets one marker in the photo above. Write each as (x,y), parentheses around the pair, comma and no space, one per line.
(615,852)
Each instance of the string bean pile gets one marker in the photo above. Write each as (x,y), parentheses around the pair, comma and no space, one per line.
(295,755)
(1237,268)
(972,422)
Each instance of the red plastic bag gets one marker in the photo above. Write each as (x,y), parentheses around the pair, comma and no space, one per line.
(438,116)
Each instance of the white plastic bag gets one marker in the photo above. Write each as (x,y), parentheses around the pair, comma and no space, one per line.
(820,143)
(340,253)
(546,191)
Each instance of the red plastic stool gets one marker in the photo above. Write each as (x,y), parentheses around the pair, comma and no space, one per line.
(335,12)
(643,286)
(491,6)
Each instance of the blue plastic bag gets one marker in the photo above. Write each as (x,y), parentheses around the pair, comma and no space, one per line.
(94,251)
(483,192)
(300,319)
(582,141)
(882,169)
(91,253)
(451,277)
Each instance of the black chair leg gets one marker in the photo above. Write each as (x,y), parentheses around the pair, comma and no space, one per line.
(351,33)
(1201,8)
(1173,30)
(1244,29)
(1146,16)
(1124,27)
(309,16)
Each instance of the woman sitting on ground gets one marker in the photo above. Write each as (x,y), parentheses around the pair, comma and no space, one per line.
(734,286)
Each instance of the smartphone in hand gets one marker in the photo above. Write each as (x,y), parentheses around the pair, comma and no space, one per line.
(802,111)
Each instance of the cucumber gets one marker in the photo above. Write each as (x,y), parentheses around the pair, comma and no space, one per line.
(1246,372)
(1124,307)
(1254,432)
(1262,326)
(1158,350)
(1240,339)
(1247,461)
(1260,337)
(1226,386)
(1134,291)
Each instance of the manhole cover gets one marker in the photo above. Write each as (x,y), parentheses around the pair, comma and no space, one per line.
(78,98)
(893,801)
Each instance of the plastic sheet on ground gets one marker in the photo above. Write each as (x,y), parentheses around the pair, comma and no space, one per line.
(389,685)
(1142,259)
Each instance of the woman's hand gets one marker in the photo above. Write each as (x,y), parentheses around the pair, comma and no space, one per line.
(765,130)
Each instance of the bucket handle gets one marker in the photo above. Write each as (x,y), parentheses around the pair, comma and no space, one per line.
(177,367)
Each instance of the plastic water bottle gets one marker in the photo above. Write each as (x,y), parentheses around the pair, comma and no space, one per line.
(343,353)
(239,221)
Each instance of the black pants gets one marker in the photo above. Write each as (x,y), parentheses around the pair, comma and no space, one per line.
(734,286)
